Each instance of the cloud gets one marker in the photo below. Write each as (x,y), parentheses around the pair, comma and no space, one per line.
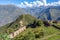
(44,2)
(22,5)
(38,3)
(28,4)
(31,4)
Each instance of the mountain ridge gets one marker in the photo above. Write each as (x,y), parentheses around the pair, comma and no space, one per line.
(9,13)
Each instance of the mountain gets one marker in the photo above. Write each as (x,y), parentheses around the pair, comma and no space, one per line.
(9,13)
(45,13)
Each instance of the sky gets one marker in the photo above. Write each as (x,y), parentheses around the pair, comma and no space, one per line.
(31,3)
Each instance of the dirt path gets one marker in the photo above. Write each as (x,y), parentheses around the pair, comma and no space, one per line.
(48,36)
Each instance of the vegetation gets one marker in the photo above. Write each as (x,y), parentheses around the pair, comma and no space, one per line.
(4,36)
(36,28)
(56,37)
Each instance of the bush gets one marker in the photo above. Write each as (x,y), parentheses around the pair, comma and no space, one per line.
(46,23)
(4,36)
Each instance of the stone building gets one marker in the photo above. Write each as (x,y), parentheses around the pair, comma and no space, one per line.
(21,29)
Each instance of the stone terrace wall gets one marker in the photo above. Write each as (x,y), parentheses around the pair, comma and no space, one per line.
(12,35)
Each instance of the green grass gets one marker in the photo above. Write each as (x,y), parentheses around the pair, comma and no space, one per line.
(33,32)
(56,37)
(46,32)
(50,30)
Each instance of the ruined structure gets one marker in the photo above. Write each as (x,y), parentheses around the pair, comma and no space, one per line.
(21,29)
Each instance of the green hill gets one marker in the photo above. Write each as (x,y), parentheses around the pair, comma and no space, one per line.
(11,27)
(36,29)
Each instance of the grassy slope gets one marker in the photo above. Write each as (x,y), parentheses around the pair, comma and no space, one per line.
(47,31)
(35,33)
(56,37)
(11,27)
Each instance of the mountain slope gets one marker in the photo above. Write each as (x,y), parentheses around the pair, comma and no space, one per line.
(9,13)
(15,25)
(45,13)
(36,29)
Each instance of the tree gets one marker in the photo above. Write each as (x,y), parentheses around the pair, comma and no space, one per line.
(39,23)
(46,23)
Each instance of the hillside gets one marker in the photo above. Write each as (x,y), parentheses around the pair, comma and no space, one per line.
(9,28)
(36,29)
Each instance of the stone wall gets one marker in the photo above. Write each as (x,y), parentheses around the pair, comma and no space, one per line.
(12,35)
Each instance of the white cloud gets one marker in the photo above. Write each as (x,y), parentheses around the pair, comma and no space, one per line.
(38,3)
(28,4)
(44,2)
(34,3)
(31,4)
(22,5)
